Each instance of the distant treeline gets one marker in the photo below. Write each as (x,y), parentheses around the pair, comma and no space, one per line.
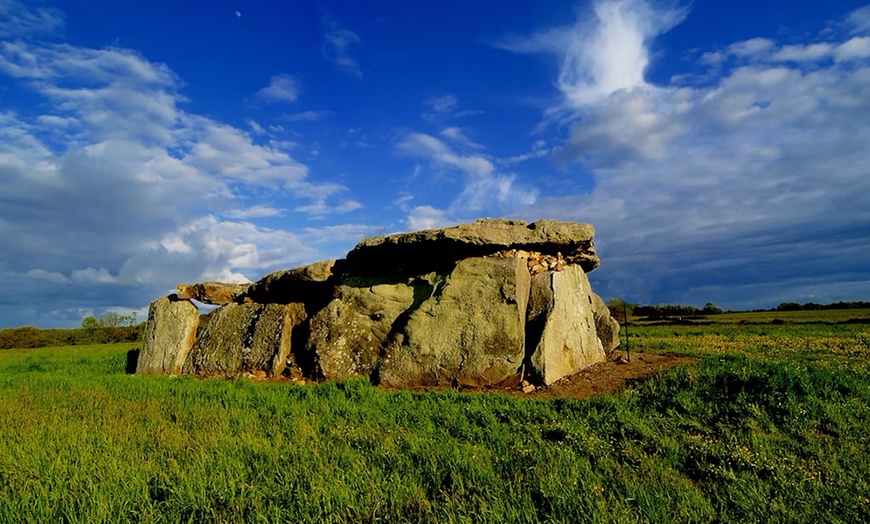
(812,306)
(105,329)
(676,311)
(619,308)
(26,337)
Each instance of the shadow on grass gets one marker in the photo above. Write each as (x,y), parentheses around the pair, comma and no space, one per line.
(132,360)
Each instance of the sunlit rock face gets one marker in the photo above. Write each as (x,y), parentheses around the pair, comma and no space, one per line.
(492,302)
(170,333)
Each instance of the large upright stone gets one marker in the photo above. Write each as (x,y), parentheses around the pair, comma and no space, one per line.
(169,334)
(245,337)
(469,331)
(348,335)
(562,331)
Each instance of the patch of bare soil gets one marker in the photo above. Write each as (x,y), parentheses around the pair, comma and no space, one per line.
(598,379)
(602,378)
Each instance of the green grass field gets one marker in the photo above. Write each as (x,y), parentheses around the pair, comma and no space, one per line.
(771,425)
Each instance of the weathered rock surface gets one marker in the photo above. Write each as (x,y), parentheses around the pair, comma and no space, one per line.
(433,249)
(169,335)
(296,285)
(245,338)
(560,308)
(348,335)
(605,325)
(470,330)
(491,302)
(216,293)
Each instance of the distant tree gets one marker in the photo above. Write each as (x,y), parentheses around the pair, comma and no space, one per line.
(711,309)
(619,309)
(21,337)
(110,327)
(789,306)
(90,325)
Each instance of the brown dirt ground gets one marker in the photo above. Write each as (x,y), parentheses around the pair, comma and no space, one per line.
(598,379)
(602,378)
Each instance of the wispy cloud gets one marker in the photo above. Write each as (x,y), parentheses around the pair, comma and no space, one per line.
(18,19)
(256,128)
(427,146)
(604,51)
(307,116)
(346,233)
(256,211)
(281,88)
(85,65)
(53,277)
(482,190)
(539,150)
(853,49)
(443,104)
(765,50)
(859,20)
(336,49)
(320,208)
(456,135)
(427,217)
(499,192)
(347,206)
(752,48)
(444,107)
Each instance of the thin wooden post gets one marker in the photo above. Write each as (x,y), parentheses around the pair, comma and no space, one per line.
(627,346)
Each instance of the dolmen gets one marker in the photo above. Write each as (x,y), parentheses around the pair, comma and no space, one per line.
(489,303)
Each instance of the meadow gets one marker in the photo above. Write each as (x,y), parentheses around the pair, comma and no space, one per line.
(769,425)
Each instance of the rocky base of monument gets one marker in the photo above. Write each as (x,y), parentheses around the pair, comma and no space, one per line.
(493,302)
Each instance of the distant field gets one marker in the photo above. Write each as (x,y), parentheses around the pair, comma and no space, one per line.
(846,345)
(834,315)
(769,426)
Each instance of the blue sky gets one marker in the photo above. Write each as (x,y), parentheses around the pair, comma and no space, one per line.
(721,149)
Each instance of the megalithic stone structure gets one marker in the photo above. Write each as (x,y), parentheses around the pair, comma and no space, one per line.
(485,303)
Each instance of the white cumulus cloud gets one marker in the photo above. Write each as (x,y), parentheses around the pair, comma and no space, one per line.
(112,181)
